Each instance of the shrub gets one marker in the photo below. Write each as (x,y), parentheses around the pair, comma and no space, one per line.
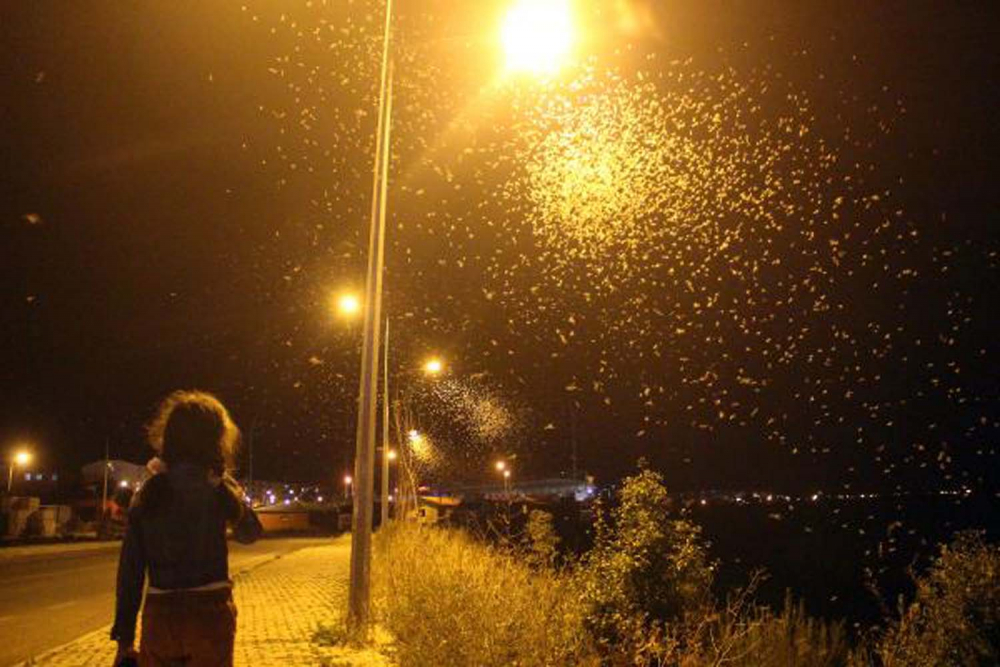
(646,577)
(541,539)
(450,600)
(954,618)
(744,634)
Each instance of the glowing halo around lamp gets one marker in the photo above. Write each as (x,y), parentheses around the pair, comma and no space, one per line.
(537,35)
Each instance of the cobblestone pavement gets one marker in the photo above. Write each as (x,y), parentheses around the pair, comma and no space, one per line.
(281,605)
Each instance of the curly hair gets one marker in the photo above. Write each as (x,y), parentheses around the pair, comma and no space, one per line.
(193,426)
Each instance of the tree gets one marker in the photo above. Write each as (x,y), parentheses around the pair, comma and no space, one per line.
(646,574)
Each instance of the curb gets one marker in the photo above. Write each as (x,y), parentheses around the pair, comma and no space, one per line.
(30,550)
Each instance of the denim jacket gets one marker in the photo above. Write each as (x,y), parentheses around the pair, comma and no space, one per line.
(176,532)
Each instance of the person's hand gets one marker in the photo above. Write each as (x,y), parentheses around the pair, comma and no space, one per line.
(124,653)
(156,465)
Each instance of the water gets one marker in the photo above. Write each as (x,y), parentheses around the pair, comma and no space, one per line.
(827,553)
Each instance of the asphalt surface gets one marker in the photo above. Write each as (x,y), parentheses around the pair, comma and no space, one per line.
(51,596)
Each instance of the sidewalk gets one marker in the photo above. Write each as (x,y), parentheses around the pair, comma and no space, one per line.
(281,604)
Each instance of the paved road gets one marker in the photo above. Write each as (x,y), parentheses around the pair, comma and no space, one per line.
(52,596)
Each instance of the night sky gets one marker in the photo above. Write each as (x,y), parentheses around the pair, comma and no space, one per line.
(752,242)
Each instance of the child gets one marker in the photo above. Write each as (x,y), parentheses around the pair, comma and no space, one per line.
(176,531)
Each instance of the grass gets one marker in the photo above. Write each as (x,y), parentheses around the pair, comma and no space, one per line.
(450,600)
(744,634)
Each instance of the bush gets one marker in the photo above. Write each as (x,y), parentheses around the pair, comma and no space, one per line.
(954,618)
(450,600)
(541,540)
(647,576)
(646,591)
(744,634)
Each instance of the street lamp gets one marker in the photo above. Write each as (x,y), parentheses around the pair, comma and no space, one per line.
(20,458)
(500,466)
(347,485)
(348,305)
(433,366)
(419,445)
(536,35)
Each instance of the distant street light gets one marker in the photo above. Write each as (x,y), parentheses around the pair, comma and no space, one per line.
(348,305)
(419,446)
(433,366)
(21,458)
(500,465)
(347,485)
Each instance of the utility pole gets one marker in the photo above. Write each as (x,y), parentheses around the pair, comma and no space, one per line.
(359,588)
(385,430)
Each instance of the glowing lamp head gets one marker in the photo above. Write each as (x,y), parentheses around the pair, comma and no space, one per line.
(433,366)
(348,479)
(506,474)
(22,458)
(501,466)
(414,435)
(348,305)
(537,35)
(392,454)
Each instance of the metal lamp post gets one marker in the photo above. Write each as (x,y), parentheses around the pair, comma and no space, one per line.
(536,38)
(384,504)
(359,588)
